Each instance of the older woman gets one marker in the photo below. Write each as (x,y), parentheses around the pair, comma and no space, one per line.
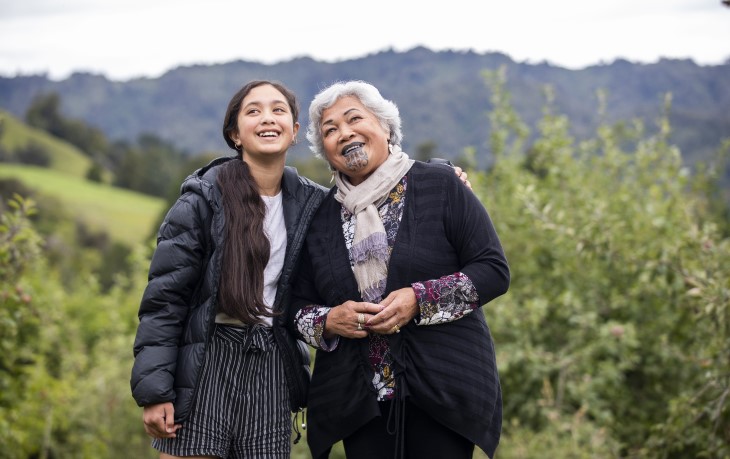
(398,261)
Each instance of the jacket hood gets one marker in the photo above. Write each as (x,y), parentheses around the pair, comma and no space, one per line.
(203,181)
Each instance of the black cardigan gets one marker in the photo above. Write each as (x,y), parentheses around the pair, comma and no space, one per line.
(448,370)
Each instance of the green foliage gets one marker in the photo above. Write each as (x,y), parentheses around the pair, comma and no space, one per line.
(33,154)
(151,166)
(64,354)
(19,319)
(568,437)
(187,167)
(612,341)
(617,313)
(95,173)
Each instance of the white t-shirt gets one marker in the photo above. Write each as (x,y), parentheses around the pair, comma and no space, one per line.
(275,230)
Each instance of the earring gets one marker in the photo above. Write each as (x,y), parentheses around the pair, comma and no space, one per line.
(332,175)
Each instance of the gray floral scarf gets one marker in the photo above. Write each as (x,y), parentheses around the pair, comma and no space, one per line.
(369,249)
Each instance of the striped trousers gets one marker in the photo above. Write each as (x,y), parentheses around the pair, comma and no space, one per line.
(242,406)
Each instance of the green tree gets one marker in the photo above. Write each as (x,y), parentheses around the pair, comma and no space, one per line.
(44,113)
(151,166)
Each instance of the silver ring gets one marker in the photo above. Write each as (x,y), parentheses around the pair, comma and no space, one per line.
(361,318)
(359,326)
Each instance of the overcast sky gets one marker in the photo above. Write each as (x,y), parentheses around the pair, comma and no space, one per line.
(123,39)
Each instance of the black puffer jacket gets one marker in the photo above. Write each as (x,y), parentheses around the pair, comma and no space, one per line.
(177,312)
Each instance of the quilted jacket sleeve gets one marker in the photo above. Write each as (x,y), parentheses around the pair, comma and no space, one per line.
(174,273)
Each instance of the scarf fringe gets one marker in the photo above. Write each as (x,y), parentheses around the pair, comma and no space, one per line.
(374,246)
(374,293)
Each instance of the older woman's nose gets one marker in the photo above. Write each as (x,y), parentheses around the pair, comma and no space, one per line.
(346,134)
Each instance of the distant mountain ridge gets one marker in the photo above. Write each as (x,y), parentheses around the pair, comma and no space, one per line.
(442,97)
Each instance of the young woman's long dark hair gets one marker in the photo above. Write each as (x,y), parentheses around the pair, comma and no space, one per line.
(246,249)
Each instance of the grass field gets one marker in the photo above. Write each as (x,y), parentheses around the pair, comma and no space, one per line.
(127,216)
(64,156)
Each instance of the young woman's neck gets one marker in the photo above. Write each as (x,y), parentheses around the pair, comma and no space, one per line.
(267,173)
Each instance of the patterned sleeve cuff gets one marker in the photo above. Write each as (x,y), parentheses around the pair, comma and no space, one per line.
(310,323)
(445,299)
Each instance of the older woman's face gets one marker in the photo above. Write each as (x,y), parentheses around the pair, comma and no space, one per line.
(354,141)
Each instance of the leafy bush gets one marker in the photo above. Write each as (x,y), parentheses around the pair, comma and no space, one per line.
(618,310)
(65,353)
(33,154)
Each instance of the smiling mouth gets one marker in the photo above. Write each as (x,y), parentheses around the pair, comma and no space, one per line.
(269,134)
(352,147)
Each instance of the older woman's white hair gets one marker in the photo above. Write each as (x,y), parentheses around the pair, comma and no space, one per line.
(385,110)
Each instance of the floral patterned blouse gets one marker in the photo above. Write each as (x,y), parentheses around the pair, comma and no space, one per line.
(439,300)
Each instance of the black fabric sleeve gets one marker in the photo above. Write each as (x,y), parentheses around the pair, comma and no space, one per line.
(471,232)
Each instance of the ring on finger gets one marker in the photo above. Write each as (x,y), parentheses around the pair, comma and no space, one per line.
(396,328)
(360,318)
(359,326)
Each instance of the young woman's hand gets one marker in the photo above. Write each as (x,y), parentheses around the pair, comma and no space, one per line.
(462,176)
(159,420)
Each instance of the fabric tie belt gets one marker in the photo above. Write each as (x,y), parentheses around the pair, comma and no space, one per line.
(253,337)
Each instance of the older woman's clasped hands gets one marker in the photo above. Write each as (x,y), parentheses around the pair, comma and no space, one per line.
(354,319)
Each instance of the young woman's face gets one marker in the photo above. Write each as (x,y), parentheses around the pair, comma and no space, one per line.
(355,143)
(265,122)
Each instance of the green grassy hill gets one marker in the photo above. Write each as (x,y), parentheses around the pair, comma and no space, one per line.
(64,156)
(127,216)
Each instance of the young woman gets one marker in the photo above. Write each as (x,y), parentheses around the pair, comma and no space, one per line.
(215,370)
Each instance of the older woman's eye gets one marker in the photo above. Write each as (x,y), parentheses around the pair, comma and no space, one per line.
(328,131)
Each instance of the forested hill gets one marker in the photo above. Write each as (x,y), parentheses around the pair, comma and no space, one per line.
(442,96)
